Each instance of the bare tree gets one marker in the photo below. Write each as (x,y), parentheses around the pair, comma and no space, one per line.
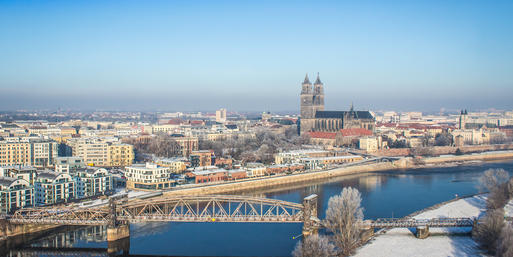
(486,232)
(164,146)
(443,139)
(505,243)
(422,151)
(343,213)
(492,178)
(314,245)
(496,182)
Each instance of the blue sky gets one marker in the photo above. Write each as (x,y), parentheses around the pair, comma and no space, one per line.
(253,55)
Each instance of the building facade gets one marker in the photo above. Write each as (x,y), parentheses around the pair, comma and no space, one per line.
(15,194)
(102,153)
(92,182)
(27,173)
(120,155)
(148,176)
(201,158)
(69,164)
(315,118)
(39,153)
(53,187)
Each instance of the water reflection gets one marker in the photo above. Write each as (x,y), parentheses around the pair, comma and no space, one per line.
(387,194)
(92,234)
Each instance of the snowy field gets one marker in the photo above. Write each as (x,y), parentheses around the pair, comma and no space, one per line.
(441,242)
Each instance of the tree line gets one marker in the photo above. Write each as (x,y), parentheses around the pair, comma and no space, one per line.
(260,148)
(492,232)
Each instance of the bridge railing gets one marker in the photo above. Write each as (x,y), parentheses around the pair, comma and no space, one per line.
(222,208)
(435,222)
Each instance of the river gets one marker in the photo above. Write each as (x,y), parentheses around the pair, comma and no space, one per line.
(385,194)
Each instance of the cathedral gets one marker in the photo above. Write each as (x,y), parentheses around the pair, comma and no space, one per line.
(313,117)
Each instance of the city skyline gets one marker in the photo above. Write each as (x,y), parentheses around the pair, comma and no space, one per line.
(196,56)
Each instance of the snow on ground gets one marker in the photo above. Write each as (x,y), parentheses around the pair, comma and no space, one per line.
(441,242)
(508,209)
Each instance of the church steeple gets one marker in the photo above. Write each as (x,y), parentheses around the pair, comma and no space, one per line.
(307,80)
(318,80)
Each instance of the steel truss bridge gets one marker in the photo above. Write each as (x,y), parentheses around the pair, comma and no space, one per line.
(220,208)
(216,208)
(411,223)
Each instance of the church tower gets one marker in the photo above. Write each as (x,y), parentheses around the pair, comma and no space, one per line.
(463,119)
(306,105)
(318,95)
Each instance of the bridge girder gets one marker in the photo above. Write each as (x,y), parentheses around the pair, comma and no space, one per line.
(218,208)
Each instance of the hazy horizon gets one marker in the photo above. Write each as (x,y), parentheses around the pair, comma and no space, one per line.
(253,56)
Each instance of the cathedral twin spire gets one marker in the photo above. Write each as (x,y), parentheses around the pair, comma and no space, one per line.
(317,81)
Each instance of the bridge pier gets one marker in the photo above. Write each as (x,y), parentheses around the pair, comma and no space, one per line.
(366,231)
(118,232)
(422,232)
(115,229)
(310,219)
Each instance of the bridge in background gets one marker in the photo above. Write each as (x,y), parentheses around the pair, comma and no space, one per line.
(412,223)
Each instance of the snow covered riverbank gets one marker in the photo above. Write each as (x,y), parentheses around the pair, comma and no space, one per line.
(441,242)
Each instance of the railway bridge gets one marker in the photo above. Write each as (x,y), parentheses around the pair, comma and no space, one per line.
(217,208)
(208,208)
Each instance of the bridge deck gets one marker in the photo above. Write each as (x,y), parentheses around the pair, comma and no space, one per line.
(410,223)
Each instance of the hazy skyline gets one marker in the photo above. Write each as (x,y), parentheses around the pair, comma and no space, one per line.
(253,56)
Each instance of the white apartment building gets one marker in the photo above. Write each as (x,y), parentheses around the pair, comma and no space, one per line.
(15,194)
(148,176)
(91,182)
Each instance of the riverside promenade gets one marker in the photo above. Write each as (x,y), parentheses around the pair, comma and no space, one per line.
(350,169)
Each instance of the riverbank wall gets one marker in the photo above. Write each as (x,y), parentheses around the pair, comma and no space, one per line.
(8,229)
(281,180)
(487,156)
(441,150)
(403,163)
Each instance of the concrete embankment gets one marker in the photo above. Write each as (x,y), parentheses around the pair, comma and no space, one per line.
(403,163)
(487,156)
(11,230)
(282,180)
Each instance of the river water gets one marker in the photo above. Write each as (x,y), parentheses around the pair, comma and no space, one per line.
(385,194)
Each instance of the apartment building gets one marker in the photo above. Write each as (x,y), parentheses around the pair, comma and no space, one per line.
(148,176)
(177,165)
(120,155)
(201,158)
(325,162)
(53,187)
(69,164)
(27,173)
(187,144)
(92,182)
(92,151)
(15,194)
(296,155)
(34,152)
(102,152)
